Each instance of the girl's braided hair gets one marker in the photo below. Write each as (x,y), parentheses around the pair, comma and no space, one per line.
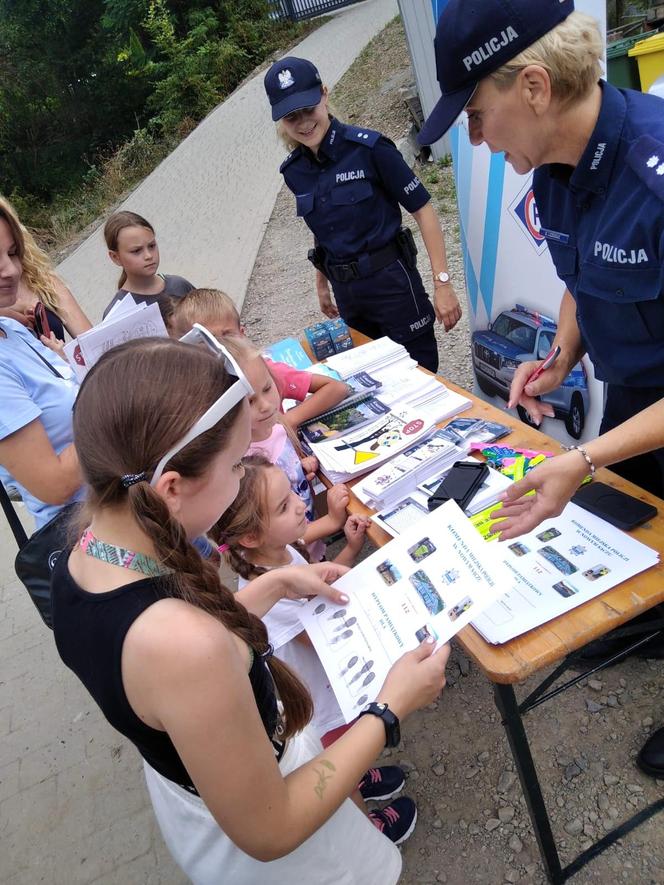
(135,404)
(248,515)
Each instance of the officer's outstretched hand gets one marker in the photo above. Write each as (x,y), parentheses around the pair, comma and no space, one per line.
(447,307)
(327,306)
(527,395)
(554,481)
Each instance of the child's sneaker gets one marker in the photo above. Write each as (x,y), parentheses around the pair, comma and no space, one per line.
(378,784)
(397,820)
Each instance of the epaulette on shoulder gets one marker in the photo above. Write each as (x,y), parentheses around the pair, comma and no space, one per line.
(646,158)
(294,154)
(369,137)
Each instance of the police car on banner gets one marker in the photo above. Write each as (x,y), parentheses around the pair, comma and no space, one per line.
(517,336)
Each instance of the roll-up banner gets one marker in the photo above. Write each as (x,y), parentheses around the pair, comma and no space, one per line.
(512,288)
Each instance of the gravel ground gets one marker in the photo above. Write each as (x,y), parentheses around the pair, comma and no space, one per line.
(473,824)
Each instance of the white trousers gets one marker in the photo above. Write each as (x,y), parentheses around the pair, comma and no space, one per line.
(346,850)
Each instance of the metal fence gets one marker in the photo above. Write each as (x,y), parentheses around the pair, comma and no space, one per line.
(299,9)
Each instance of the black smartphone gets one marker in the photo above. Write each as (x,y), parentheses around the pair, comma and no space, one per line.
(460,484)
(620,509)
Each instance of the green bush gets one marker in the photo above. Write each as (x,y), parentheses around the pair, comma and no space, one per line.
(95,92)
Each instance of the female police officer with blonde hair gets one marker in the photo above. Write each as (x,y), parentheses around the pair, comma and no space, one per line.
(349,183)
(528,76)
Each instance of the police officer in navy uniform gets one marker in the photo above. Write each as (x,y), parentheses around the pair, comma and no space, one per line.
(349,183)
(528,76)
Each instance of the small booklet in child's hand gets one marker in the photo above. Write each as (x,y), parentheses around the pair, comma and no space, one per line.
(430,581)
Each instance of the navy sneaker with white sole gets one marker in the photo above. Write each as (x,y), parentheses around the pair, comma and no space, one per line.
(378,784)
(397,820)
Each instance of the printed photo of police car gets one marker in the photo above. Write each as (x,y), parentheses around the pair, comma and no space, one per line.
(515,337)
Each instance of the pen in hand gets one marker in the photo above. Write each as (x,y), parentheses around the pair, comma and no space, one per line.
(549,360)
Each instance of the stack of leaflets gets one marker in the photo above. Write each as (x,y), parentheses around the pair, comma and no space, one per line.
(423,392)
(561,564)
(428,583)
(375,356)
(396,517)
(359,450)
(127,320)
(430,456)
(402,384)
(362,383)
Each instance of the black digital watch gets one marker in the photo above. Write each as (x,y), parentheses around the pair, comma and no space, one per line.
(390,721)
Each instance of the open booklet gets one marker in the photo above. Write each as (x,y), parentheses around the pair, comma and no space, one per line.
(126,321)
(431,581)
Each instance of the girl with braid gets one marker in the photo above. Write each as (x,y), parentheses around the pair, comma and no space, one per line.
(261,531)
(181,666)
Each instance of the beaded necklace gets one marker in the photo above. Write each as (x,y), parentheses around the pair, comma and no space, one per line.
(111,553)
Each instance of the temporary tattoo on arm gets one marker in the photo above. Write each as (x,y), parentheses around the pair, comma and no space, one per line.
(324,776)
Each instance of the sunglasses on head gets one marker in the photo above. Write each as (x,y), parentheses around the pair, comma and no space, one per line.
(229,398)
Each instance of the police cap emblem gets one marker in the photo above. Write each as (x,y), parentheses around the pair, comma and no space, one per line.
(285,79)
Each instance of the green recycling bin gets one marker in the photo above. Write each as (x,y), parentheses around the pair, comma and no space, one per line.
(623,70)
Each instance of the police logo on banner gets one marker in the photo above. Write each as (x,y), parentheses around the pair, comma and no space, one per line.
(524,211)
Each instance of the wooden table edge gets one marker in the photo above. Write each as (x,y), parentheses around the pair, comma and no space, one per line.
(516,660)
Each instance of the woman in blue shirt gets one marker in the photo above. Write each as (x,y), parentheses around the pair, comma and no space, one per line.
(38,393)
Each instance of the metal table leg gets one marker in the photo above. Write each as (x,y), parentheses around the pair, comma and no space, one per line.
(518,741)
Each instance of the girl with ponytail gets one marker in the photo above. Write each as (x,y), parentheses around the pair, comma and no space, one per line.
(180,665)
(132,245)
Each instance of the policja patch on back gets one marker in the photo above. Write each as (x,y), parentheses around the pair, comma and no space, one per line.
(646,158)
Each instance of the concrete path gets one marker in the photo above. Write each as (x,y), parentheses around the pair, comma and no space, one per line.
(210,200)
(73,806)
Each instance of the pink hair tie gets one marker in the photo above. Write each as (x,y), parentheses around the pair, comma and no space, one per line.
(222,548)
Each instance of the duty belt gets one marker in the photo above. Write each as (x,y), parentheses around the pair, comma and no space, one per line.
(344,272)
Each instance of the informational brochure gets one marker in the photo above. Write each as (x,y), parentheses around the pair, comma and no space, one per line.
(561,564)
(477,430)
(431,455)
(126,321)
(345,417)
(289,351)
(393,519)
(429,582)
(359,451)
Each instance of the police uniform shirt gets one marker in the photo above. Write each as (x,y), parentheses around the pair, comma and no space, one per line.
(604,225)
(350,194)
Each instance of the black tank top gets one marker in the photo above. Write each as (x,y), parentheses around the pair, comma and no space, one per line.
(90,630)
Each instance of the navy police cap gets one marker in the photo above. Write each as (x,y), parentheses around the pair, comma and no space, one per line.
(473,39)
(292,84)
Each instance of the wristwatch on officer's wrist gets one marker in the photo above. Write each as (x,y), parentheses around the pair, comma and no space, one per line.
(390,721)
(441,279)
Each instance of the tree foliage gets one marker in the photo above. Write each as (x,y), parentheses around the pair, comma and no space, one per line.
(79,78)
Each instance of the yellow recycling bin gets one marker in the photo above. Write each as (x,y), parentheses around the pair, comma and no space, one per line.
(650,58)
